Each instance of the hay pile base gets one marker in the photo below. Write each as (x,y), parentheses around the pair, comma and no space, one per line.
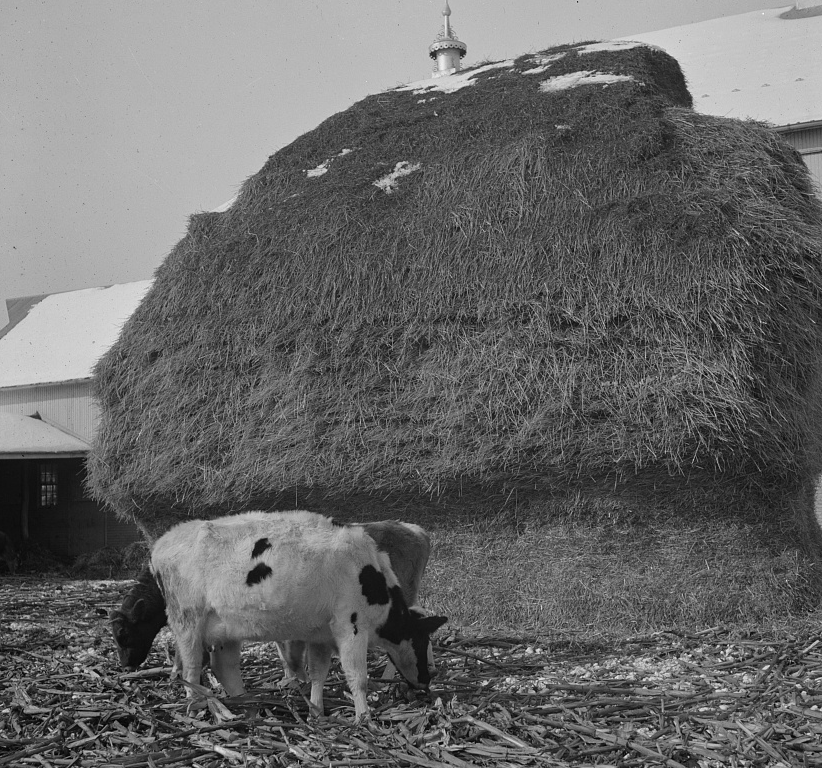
(714,698)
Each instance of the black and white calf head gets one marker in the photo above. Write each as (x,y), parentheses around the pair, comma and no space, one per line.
(412,655)
(135,625)
(406,633)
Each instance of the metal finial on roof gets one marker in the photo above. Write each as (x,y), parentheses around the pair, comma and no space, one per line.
(447,50)
(446,24)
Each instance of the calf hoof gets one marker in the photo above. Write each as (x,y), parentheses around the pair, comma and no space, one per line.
(253,713)
(289,683)
(196,705)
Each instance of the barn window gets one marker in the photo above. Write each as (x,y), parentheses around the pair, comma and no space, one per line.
(48,485)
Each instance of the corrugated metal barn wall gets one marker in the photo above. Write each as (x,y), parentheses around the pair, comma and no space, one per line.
(69,405)
(808,141)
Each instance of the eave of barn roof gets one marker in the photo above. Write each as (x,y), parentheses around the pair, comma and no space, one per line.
(26,437)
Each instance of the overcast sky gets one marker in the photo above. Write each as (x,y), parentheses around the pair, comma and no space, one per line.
(120,119)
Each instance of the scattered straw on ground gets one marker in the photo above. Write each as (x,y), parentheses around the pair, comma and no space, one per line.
(705,699)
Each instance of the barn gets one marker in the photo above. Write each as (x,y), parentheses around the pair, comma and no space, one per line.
(533,280)
(48,417)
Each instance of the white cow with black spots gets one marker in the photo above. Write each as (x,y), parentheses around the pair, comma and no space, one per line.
(288,576)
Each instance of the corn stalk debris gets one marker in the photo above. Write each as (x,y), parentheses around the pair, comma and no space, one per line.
(717,697)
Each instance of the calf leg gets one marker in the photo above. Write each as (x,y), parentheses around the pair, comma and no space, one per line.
(225,663)
(389,671)
(190,654)
(176,664)
(353,658)
(432,667)
(292,656)
(319,662)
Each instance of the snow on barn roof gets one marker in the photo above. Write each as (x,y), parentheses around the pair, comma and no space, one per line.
(60,336)
(762,65)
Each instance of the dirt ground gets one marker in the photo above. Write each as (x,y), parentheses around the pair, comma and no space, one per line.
(715,698)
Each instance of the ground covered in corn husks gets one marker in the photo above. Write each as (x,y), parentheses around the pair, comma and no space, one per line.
(714,698)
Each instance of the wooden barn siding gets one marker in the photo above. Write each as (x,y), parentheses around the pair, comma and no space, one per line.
(80,529)
(70,405)
(77,524)
(11,498)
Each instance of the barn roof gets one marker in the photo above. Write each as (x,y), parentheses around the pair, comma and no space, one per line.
(763,65)
(27,437)
(60,336)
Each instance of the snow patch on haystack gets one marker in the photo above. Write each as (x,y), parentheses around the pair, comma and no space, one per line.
(225,206)
(322,168)
(388,183)
(451,83)
(542,63)
(584,77)
(612,45)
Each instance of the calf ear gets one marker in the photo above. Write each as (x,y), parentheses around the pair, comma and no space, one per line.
(431,624)
(138,610)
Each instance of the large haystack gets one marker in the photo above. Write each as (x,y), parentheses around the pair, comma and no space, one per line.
(537,274)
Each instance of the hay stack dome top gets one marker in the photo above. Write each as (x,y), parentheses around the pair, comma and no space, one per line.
(526,273)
